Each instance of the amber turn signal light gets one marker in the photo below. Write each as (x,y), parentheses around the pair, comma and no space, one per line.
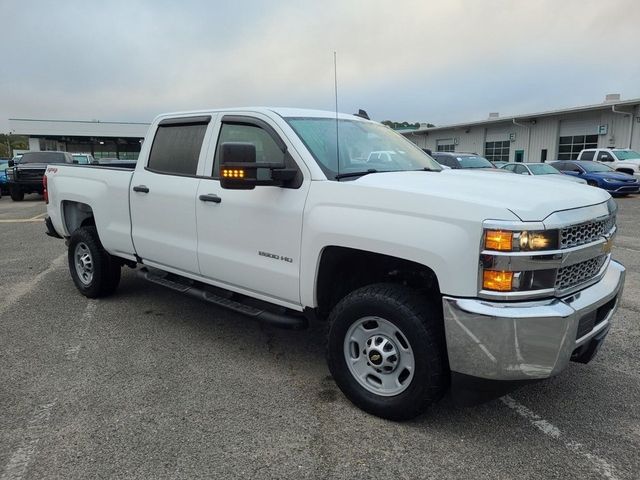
(498,240)
(233,173)
(497,281)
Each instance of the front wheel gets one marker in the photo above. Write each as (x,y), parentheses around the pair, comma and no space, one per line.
(94,272)
(386,351)
(17,195)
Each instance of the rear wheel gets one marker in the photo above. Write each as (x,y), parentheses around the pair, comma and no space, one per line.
(17,195)
(94,272)
(386,351)
(592,183)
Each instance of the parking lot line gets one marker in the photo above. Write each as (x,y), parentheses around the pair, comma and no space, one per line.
(23,220)
(21,289)
(598,464)
(21,458)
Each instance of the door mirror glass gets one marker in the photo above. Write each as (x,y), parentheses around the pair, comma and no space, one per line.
(11,163)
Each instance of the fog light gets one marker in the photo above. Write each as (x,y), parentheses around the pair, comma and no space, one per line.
(497,281)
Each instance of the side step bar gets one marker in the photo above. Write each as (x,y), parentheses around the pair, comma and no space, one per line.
(186,286)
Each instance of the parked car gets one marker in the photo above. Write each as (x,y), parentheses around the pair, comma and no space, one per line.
(26,176)
(457,160)
(600,175)
(4,182)
(428,278)
(543,169)
(82,158)
(620,159)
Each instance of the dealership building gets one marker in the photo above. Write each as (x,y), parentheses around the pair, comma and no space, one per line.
(539,137)
(101,139)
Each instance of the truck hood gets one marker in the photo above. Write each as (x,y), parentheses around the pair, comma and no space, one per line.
(526,197)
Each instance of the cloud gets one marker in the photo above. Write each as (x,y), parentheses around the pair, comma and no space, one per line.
(414,60)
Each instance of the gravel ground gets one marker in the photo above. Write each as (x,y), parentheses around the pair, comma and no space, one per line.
(152,384)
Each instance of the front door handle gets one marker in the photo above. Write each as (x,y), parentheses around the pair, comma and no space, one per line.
(141,189)
(211,197)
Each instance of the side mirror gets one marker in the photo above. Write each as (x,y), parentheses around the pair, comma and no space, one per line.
(524,173)
(12,163)
(239,169)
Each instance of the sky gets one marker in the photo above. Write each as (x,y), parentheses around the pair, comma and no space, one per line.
(442,61)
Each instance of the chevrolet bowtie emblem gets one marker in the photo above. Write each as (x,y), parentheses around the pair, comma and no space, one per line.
(608,245)
(375,357)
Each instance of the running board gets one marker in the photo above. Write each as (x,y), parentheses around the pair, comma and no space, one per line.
(191,288)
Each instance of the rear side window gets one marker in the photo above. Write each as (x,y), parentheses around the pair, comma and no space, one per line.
(587,155)
(176,147)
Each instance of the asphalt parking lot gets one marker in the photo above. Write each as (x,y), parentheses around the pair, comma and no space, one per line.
(152,384)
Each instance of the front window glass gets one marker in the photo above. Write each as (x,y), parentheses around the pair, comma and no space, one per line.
(362,146)
(596,167)
(542,169)
(474,161)
(626,154)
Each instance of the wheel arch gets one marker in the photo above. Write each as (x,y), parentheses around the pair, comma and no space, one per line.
(76,215)
(342,270)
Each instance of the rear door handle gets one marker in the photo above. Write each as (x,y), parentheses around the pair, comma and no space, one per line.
(211,197)
(141,189)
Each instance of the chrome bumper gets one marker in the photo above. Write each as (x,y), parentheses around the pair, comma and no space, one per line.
(527,340)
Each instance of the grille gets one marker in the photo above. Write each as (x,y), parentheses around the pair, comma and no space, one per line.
(585,232)
(579,273)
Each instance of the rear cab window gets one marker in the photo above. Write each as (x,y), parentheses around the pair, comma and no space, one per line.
(177,144)
(588,155)
(46,157)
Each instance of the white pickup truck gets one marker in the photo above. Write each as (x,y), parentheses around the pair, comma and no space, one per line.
(429,279)
(622,160)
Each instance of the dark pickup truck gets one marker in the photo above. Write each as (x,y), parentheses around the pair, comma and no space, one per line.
(26,176)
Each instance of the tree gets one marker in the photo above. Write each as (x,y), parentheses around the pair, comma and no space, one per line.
(8,143)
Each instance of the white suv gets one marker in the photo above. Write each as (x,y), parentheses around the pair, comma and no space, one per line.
(620,159)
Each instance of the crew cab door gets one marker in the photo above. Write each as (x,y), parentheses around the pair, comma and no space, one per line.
(163,195)
(249,240)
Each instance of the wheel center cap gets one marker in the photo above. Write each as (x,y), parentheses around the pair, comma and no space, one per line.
(375,357)
(382,353)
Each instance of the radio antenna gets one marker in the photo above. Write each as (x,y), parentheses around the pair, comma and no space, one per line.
(335,85)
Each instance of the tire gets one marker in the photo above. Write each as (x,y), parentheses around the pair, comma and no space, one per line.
(394,315)
(592,183)
(17,195)
(94,272)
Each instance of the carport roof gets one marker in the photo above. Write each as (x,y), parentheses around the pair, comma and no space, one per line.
(77,128)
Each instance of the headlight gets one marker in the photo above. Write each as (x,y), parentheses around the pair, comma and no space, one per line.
(520,241)
(610,180)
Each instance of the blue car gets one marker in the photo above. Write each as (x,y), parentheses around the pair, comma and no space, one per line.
(599,175)
(4,186)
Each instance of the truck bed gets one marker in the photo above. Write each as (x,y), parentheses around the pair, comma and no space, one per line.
(106,189)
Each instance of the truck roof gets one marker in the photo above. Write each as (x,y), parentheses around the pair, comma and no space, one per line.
(281,111)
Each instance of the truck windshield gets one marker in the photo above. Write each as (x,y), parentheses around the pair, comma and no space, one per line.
(626,154)
(364,146)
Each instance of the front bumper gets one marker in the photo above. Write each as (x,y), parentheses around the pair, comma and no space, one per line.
(515,341)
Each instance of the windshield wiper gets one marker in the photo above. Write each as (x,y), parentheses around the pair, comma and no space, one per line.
(355,174)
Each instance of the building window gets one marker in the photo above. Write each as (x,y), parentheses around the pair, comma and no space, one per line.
(445,145)
(497,151)
(571,146)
